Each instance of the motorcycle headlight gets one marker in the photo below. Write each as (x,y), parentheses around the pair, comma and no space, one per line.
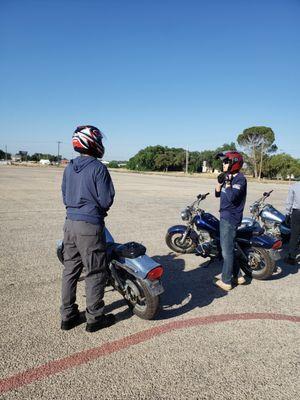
(185,215)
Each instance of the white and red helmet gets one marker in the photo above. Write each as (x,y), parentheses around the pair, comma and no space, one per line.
(87,139)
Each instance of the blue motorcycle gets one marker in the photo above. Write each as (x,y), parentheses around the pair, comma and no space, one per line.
(136,276)
(272,220)
(255,252)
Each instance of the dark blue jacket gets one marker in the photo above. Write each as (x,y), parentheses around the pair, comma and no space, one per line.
(87,190)
(233,199)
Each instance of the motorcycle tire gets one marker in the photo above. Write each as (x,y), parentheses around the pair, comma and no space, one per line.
(257,271)
(172,241)
(148,306)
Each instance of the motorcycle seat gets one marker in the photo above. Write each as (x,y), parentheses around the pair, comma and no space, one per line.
(249,229)
(127,250)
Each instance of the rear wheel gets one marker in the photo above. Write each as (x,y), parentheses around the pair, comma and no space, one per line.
(259,266)
(140,300)
(174,242)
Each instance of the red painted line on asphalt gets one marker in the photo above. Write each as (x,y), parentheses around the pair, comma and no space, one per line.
(83,357)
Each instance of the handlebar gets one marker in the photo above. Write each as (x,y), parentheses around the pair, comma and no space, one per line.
(256,206)
(202,196)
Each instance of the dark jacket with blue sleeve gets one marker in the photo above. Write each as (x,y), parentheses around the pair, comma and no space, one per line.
(233,199)
(87,190)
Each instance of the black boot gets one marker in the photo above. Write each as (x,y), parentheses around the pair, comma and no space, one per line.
(104,322)
(70,323)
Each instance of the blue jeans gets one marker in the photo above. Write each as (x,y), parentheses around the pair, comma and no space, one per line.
(227,238)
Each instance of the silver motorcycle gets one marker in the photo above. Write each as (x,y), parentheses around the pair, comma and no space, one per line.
(136,276)
(272,220)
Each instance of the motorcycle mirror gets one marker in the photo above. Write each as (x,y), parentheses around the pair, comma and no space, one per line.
(219,156)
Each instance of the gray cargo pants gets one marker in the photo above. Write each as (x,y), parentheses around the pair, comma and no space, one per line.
(84,246)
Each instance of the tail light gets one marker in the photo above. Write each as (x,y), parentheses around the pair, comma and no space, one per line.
(155,273)
(277,245)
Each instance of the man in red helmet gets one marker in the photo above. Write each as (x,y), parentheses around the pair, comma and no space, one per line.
(232,190)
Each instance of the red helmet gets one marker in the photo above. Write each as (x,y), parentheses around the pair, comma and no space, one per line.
(234,159)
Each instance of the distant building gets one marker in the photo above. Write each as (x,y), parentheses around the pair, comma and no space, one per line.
(206,168)
(16,158)
(44,162)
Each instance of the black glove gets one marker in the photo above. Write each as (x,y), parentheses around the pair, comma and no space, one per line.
(228,179)
(287,219)
(221,178)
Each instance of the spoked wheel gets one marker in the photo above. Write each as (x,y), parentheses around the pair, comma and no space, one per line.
(174,242)
(259,266)
(140,300)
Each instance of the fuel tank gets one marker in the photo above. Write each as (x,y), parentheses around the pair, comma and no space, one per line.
(207,222)
(271,214)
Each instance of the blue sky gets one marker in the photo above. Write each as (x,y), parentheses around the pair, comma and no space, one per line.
(177,73)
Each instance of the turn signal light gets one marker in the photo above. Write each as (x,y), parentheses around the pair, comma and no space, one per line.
(155,273)
(277,245)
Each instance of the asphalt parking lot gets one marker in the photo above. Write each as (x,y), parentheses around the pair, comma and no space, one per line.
(204,344)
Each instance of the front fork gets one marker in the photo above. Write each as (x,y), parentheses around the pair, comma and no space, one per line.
(185,235)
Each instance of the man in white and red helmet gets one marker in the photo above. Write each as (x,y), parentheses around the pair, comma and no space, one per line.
(88,193)
(232,190)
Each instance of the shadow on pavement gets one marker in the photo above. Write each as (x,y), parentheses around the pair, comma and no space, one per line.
(121,315)
(186,289)
(284,269)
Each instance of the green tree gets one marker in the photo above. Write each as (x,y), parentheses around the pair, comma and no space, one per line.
(144,160)
(282,165)
(163,161)
(257,141)
(3,155)
(43,156)
(113,164)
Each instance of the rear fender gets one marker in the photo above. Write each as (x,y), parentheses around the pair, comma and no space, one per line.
(182,229)
(138,267)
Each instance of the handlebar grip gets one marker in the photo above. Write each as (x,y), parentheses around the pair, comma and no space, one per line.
(202,196)
(267,194)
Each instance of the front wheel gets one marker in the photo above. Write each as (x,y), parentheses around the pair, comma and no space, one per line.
(259,266)
(174,242)
(142,303)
